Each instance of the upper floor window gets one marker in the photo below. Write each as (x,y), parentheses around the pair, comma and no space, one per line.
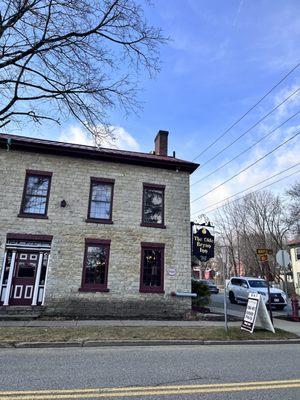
(152,268)
(153,205)
(297,253)
(36,194)
(101,198)
(95,266)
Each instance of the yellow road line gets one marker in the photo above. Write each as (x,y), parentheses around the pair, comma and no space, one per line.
(156,393)
(147,390)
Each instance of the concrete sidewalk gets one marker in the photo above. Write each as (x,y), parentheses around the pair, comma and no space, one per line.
(103,323)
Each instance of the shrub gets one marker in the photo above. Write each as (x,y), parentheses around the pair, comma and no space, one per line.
(203,293)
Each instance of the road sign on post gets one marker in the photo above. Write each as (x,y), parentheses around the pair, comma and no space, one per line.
(263,257)
(264,251)
(283,259)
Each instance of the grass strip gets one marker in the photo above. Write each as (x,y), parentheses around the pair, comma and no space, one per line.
(94,333)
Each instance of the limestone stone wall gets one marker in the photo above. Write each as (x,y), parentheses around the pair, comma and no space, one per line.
(71,182)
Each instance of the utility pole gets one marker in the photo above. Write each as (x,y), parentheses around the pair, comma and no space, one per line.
(224,270)
(266,267)
(238,249)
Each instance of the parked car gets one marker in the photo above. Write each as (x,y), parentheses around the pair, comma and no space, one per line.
(211,285)
(240,287)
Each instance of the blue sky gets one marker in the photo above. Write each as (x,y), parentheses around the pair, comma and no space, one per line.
(222,57)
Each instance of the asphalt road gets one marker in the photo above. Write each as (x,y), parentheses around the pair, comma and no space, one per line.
(162,372)
(218,299)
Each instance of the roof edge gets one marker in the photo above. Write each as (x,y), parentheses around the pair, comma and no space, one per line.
(23,143)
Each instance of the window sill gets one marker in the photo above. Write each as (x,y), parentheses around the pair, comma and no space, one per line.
(160,226)
(34,216)
(158,291)
(104,290)
(98,221)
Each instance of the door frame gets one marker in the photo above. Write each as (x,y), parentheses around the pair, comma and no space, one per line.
(22,282)
(18,242)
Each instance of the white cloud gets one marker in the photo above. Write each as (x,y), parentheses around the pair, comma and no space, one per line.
(122,139)
(74,134)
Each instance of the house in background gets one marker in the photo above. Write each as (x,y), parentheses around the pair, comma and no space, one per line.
(94,232)
(294,246)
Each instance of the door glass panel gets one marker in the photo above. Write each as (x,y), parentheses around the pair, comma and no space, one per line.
(26,270)
(44,269)
(7,266)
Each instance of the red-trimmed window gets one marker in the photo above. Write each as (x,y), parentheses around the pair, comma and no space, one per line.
(152,268)
(36,194)
(153,205)
(95,265)
(101,200)
(297,253)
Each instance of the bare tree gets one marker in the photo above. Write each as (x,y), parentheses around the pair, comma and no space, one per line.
(259,221)
(72,57)
(227,223)
(294,197)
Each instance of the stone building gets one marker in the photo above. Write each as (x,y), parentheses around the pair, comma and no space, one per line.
(93,232)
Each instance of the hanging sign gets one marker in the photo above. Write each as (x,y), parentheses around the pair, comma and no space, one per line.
(256,308)
(203,244)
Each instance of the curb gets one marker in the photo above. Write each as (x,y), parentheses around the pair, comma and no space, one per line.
(43,345)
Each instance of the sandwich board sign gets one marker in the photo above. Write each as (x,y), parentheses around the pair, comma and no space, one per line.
(256,308)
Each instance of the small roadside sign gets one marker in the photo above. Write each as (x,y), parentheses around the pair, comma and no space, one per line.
(263,257)
(283,258)
(256,308)
(251,313)
(264,251)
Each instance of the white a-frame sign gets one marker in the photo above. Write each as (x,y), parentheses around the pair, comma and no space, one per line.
(256,308)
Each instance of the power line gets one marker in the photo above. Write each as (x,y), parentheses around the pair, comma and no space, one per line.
(245,190)
(249,129)
(247,112)
(246,150)
(249,166)
(254,191)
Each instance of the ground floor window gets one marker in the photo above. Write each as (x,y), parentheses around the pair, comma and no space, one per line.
(95,265)
(152,268)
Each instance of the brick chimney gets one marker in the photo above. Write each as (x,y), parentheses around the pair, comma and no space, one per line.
(161,143)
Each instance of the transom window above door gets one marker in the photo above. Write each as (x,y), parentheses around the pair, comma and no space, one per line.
(100,202)
(36,194)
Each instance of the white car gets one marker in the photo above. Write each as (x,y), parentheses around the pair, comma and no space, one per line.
(239,288)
